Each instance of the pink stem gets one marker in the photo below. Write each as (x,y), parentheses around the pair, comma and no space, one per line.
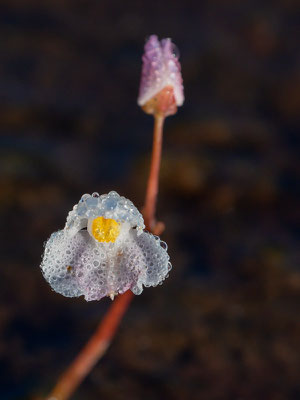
(152,186)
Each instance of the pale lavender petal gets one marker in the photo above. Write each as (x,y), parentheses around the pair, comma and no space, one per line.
(148,254)
(161,68)
(109,269)
(61,255)
(76,265)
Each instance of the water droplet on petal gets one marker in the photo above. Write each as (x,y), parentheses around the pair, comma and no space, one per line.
(175,50)
(85,196)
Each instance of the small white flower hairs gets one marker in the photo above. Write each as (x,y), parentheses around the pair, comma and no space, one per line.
(103,250)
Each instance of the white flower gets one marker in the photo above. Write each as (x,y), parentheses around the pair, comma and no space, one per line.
(103,250)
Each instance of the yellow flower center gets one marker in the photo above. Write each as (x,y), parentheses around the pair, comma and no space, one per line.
(105,229)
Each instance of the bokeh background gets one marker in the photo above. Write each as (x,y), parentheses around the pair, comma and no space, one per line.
(226,324)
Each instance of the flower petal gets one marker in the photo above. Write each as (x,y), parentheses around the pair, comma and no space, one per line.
(146,258)
(110,205)
(60,257)
(110,268)
(76,265)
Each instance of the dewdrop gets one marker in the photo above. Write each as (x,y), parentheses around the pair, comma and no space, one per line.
(104,251)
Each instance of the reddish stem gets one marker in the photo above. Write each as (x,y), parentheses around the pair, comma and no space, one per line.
(152,185)
(93,350)
(99,342)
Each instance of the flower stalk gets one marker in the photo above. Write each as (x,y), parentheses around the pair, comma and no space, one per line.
(97,345)
(153,180)
(93,350)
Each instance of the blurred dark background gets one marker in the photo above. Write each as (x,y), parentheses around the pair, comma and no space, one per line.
(226,323)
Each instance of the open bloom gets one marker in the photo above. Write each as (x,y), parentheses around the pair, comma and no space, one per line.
(103,250)
(161,88)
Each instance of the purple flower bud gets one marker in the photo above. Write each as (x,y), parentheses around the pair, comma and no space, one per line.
(161,88)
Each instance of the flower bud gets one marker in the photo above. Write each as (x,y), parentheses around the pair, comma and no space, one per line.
(161,88)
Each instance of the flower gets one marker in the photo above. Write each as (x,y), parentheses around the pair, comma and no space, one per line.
(103,250)
(161,88)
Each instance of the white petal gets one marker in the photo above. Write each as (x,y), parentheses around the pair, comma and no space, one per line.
(76,265)
(109,205)
(146,255)
(60,256)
